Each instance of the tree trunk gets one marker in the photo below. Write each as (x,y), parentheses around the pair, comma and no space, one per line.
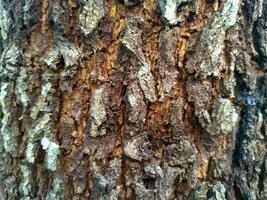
(133,99)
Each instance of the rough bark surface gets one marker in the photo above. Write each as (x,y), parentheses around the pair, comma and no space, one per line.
(133,99)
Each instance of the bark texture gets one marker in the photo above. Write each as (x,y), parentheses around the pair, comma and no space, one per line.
(133,99)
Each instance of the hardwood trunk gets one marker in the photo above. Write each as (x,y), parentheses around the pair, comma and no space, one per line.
(133,99)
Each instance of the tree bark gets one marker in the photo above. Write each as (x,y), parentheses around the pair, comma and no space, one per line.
(133,99)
